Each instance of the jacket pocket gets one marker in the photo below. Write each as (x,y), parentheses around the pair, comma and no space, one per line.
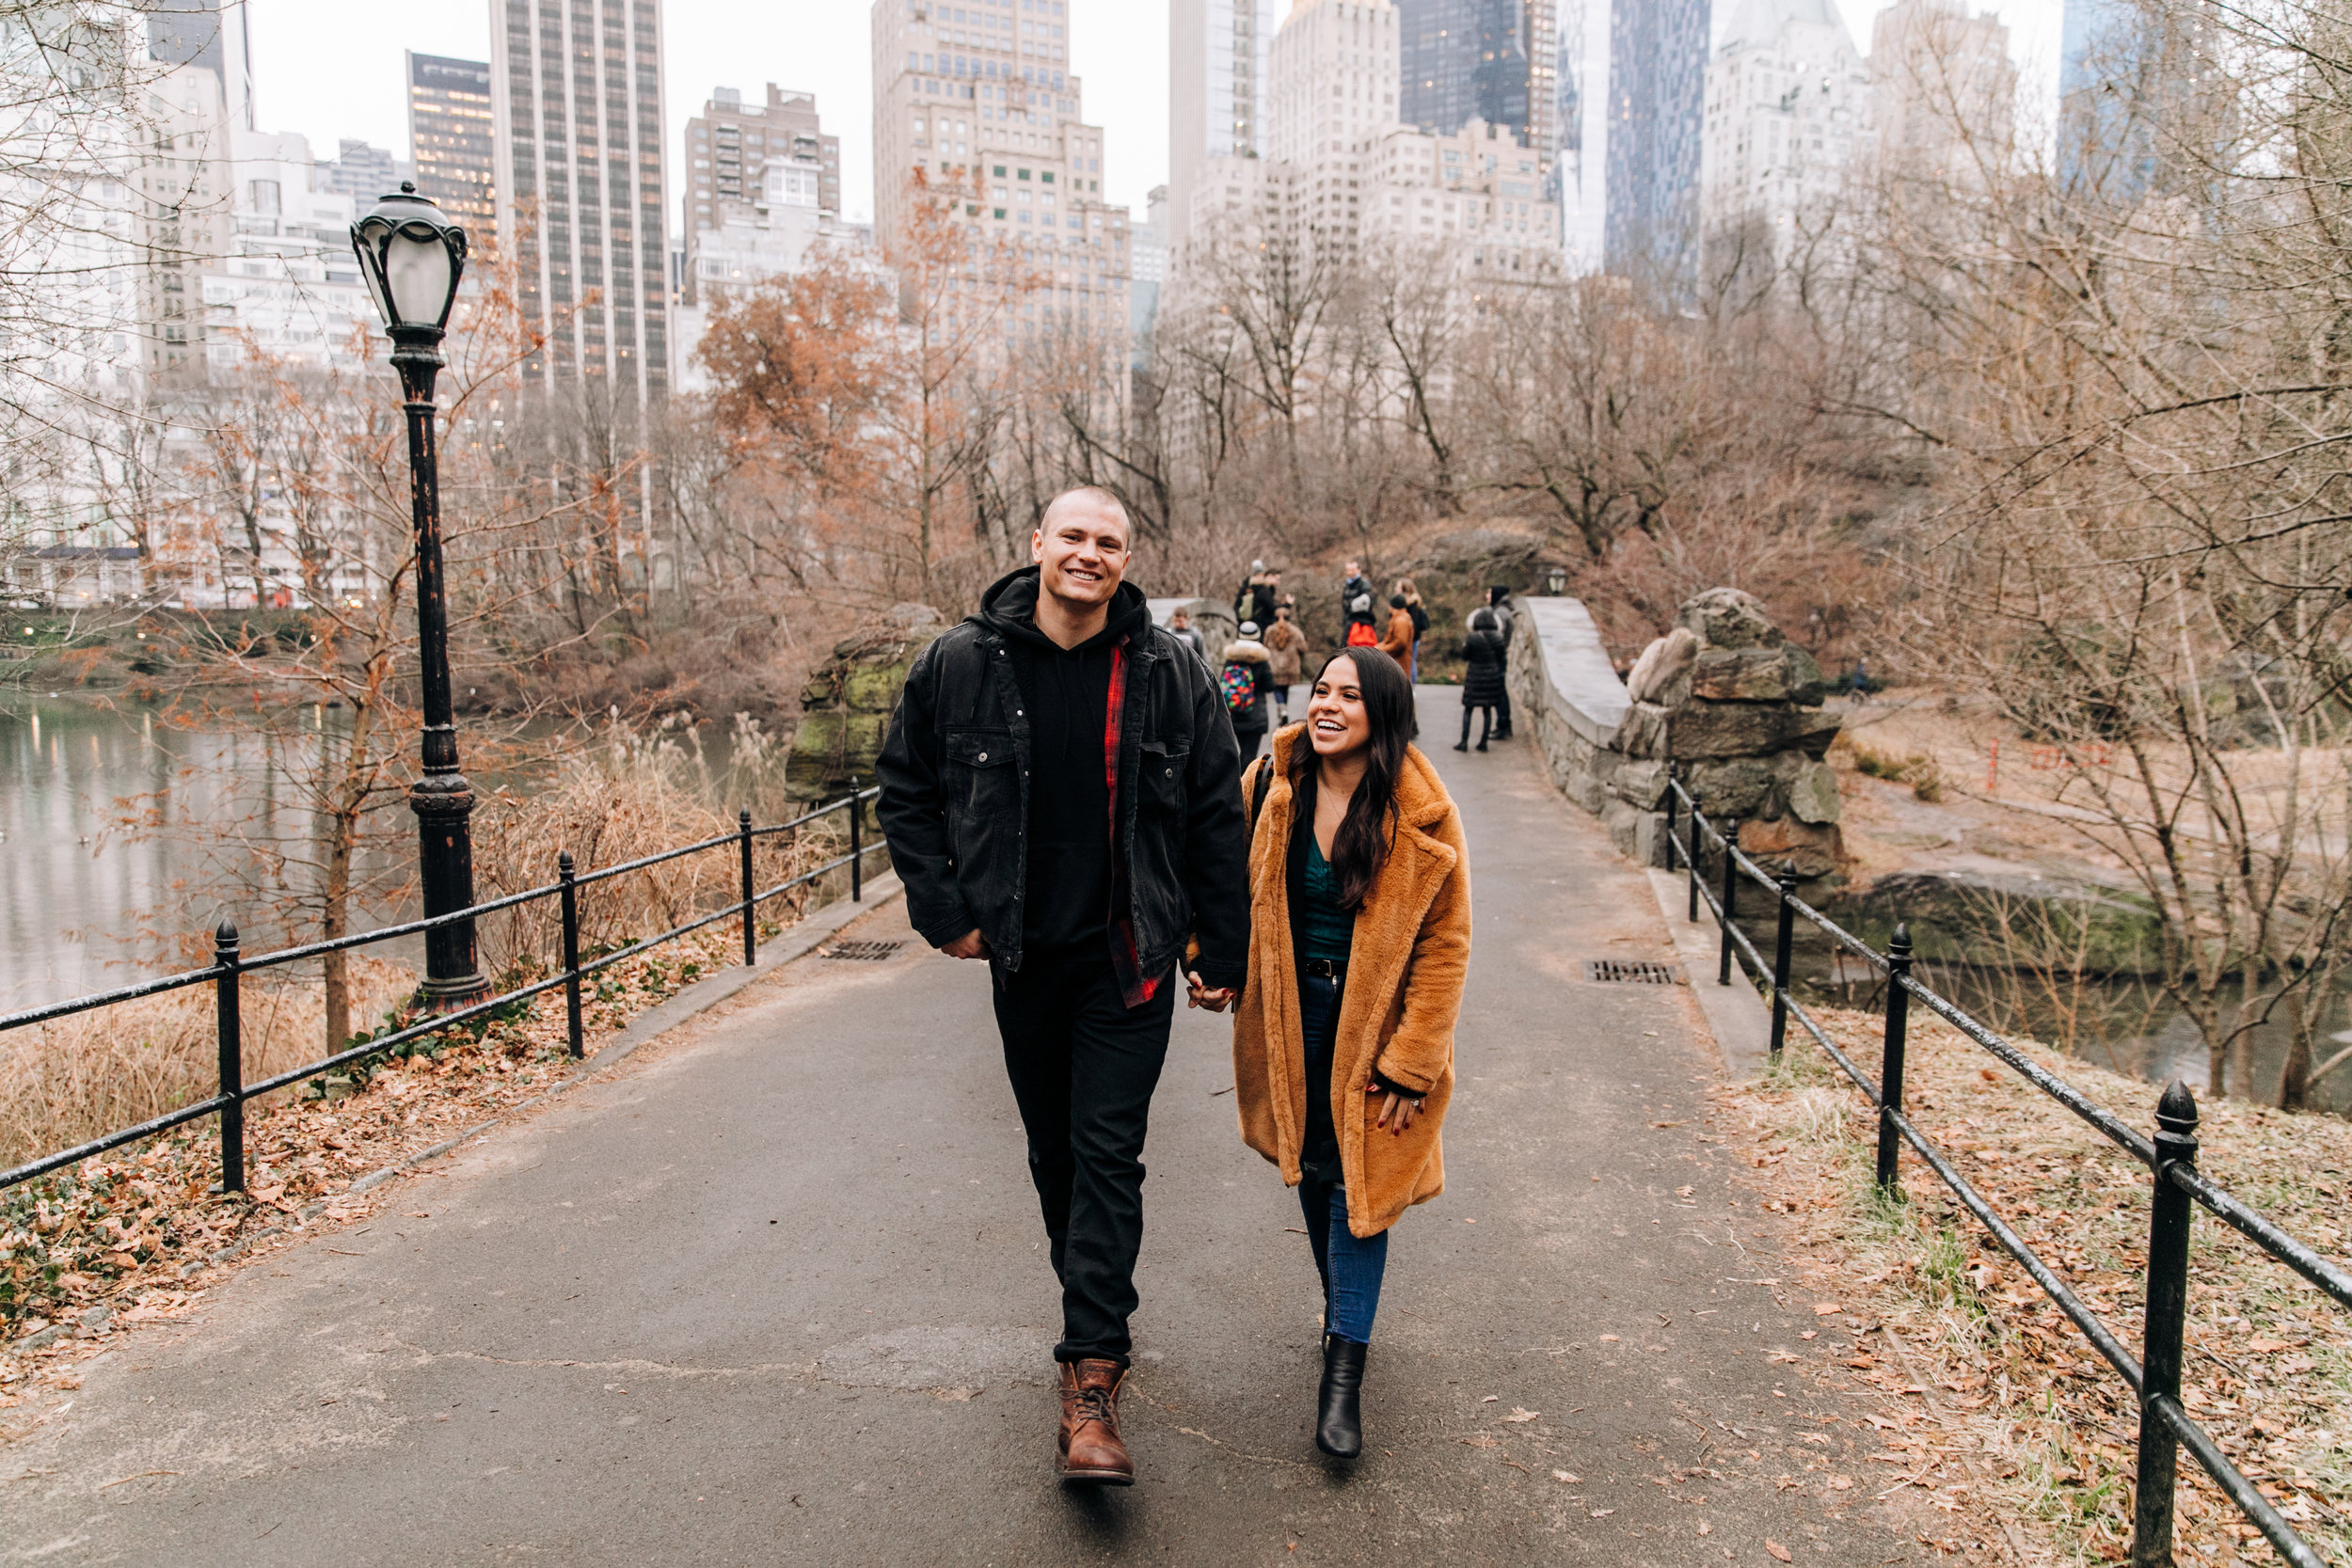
(1165,772)
(980,777)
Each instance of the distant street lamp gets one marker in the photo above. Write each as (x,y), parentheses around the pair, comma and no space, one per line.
(412,256)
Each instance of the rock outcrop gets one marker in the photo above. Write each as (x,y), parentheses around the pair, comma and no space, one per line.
(1723,696)
(846,703)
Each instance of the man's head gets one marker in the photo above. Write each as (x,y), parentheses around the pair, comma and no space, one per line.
(1355,568)
(1181,621)
(1080,547)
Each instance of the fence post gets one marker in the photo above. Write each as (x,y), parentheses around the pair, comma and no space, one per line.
(751,928)
(1780,956)
(1672,770)
(1691,855)
(567,877)
(1891,1063)
(857,845)
(1730,899)
(2168,1317)
(231,1042)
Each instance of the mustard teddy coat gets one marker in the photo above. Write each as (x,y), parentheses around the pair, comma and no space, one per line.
(1403,991)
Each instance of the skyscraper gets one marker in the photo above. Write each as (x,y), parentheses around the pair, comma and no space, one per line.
(213,35)
(1788,100)
(1220,74)
(1491,61)
(1658,53)
(981,98)
(1944,92)
(2118,75)
(1579,180)
(582,187)
(763,183)
(452,140)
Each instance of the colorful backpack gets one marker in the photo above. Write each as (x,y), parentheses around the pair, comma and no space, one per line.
(1239,682)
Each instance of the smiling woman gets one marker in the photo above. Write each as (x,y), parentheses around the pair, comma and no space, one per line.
(1358,948)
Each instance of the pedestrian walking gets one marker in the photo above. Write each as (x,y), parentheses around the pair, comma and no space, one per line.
(1485,688)
(1356,608)
(1499,601)
(1420,613)
(1247,679)
(1061,795)
(1360,936)
(1286,653)
(1260,592)
(1181,628)
(1397,642)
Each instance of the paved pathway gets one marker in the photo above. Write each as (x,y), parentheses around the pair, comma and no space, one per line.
(776,1293)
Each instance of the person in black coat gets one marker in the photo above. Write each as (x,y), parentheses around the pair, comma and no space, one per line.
(1484,688)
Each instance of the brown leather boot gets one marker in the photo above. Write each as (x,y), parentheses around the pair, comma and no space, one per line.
(1091,1452)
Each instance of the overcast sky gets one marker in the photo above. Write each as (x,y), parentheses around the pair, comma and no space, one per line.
(332,71)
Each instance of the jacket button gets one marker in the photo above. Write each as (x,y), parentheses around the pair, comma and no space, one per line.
(982,757)
(1171,772)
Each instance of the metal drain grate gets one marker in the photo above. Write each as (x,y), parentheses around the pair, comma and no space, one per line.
(862,952)
(1624,972)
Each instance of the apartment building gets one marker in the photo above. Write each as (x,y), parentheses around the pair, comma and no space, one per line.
(1220,91)
(1788,114)
(978,100)
(582,188)
(452,140)
(1944,92)
(759,179)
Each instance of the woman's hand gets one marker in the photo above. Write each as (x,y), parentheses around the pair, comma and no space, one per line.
(1199,995)
(1398,1108)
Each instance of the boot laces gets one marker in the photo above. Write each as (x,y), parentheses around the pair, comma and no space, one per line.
(1094,1405)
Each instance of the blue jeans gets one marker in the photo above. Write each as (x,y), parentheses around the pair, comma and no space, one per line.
(1351,1269)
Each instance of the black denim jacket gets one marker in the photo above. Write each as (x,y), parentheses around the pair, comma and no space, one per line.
(955,798)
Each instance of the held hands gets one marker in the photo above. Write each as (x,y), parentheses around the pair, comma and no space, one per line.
(969,945)
(1399,1107)
(1199,995)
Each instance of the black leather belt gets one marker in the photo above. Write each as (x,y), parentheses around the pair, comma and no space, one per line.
(1326,968)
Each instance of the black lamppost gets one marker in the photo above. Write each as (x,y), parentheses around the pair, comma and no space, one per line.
(412,256)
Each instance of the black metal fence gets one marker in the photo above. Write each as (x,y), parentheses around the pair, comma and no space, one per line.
(2165,1426)
(229,965)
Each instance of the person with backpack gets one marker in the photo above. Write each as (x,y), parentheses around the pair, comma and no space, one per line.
(1499,605)
(1484,687)
(1245,678)
(1258,595)
(1397,642)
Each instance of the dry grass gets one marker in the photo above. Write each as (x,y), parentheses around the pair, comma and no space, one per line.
(78,1078)
(2018,1418)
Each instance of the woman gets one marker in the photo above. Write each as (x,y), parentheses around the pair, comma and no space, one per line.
(1286,654)
(1483,687)
(1420,612)
(1397,642)
(1244,677)
(1343,1038)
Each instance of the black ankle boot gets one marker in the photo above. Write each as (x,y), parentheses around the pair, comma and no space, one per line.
(1339,1421)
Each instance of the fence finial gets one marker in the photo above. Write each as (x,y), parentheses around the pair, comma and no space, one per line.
(1902,943)
(2177,1111)
(225,934)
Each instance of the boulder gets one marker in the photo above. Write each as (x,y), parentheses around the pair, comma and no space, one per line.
(1738,787)
(1817,851)
(1665,660)
(1813,795)
(847,702)
(1729,618)
(1784,674)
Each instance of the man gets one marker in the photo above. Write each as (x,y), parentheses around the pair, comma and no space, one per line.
(1258,595)
(1356,602)
(1061,794)
(1180,626)
(1499,601)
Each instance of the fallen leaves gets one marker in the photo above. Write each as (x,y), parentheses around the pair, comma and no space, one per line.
(1780,1553)
(1519,1415)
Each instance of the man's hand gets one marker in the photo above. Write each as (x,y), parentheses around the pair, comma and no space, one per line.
(969,945)
(1202,996)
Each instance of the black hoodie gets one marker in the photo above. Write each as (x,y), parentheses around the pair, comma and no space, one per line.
(1066,692)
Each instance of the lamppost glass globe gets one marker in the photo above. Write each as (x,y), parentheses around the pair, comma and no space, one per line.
(411,256)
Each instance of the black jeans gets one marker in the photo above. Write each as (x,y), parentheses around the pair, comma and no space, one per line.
(1083,1066)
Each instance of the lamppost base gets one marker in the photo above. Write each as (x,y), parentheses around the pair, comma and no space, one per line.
(449,996)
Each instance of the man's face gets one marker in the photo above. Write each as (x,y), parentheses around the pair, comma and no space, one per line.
(1355,568)
(1081,550)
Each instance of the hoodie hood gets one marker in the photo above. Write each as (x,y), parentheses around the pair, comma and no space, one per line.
(1246,650)
(1010,609)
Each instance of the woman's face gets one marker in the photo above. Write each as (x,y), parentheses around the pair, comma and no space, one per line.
(1336,720)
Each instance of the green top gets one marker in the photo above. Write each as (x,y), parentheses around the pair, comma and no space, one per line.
(1327,930)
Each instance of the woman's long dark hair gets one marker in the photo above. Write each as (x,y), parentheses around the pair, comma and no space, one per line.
(1362,842)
